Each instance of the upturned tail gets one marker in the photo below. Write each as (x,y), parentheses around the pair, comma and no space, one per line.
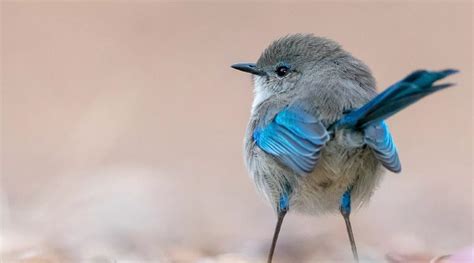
(397,97)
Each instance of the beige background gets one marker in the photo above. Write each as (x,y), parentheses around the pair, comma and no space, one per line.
(122,127)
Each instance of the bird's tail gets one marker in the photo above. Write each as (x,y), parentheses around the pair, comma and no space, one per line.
(397,97)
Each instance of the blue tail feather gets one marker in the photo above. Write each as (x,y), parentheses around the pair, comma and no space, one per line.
(397,97)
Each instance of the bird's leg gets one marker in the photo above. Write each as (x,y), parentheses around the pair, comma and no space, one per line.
(282,210)
(345,209)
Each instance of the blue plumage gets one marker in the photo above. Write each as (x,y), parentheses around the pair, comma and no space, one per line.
(379,139)
(395,98)
(295,138)
(346,202)
(284,203)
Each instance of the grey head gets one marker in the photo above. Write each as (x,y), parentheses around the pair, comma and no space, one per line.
(300,61)
(290,58)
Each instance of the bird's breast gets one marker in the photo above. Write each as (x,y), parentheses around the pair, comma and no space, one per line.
(339,168)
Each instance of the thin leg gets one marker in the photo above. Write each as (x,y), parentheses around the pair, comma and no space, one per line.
(346,211)
(281,215)
(351,237)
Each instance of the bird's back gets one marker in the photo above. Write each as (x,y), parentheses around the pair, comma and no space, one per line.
(344,85)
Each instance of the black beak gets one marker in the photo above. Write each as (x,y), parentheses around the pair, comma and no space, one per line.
(250,68)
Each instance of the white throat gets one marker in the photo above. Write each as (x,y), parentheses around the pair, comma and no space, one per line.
(260,93)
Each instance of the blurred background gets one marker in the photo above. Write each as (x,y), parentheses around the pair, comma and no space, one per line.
(122,130)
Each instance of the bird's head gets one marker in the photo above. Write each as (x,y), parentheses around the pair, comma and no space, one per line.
(290,59)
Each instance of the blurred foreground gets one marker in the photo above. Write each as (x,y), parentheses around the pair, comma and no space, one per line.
(112,219)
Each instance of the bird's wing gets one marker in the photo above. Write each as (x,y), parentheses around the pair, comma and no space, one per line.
(379,139)
(295,138)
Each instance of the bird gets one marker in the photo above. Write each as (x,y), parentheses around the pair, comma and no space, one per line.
(317,140)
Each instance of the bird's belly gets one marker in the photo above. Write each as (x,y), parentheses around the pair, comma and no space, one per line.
(318,192)
(338,170)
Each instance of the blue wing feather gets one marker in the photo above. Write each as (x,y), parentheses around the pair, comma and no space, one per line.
(295,138)
(379,139)
(395,98)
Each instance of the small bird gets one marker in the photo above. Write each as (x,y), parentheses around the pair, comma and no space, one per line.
(317,138)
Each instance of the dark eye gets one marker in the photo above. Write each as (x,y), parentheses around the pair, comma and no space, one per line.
(282,71)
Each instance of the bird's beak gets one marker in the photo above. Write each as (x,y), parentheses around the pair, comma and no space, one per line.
(250,68)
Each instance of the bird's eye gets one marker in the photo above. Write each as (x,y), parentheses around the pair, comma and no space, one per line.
(282,71)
